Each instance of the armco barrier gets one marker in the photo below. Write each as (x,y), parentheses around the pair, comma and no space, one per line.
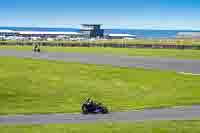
(147,46)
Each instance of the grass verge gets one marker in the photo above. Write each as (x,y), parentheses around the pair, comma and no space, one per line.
(35,86)
(146,127)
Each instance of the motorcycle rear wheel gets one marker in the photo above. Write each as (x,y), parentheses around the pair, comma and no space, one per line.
(104,111)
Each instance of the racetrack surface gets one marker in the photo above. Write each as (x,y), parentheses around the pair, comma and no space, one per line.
(169,64)
(178,65)
(177,113)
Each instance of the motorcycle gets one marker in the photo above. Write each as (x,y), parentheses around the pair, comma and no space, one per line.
(36,49)
(93,108)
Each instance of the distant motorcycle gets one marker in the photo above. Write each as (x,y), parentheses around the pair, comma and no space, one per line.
(36,48)
(90,107)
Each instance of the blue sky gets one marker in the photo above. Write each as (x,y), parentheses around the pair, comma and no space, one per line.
(139,14)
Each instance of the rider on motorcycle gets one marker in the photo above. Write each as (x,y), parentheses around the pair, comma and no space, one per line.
(36,48)
(91,107)
(89,101)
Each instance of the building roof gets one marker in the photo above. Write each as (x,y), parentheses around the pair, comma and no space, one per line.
(7,31)
(121,35)
(91,24)
(47,33)
(189,34)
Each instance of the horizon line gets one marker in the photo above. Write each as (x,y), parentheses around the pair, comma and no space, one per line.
(106,27)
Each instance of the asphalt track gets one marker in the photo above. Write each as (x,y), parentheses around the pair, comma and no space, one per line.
(169,64)
(178,113)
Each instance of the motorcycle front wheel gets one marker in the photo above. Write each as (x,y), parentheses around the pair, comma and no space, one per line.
(84,110)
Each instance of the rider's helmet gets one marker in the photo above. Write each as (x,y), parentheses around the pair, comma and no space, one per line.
(89,101)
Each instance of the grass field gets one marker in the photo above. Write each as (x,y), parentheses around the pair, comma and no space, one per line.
(189,54)
(147,127)
(35,86)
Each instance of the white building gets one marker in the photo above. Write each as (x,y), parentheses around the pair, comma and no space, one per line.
(36,35)
(8,33)
(46,33)
(188,35)
(120,36)
(2,37)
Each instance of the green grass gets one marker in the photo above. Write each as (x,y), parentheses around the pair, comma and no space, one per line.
(147,127)
(172,53)
(34,86)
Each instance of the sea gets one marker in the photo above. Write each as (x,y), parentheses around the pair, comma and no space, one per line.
(143,33)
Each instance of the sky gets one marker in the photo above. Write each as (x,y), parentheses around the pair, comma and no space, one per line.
(136,14)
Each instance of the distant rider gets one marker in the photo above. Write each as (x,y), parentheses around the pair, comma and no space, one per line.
(36,47)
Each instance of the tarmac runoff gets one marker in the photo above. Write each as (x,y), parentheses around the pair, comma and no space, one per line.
(182,66)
